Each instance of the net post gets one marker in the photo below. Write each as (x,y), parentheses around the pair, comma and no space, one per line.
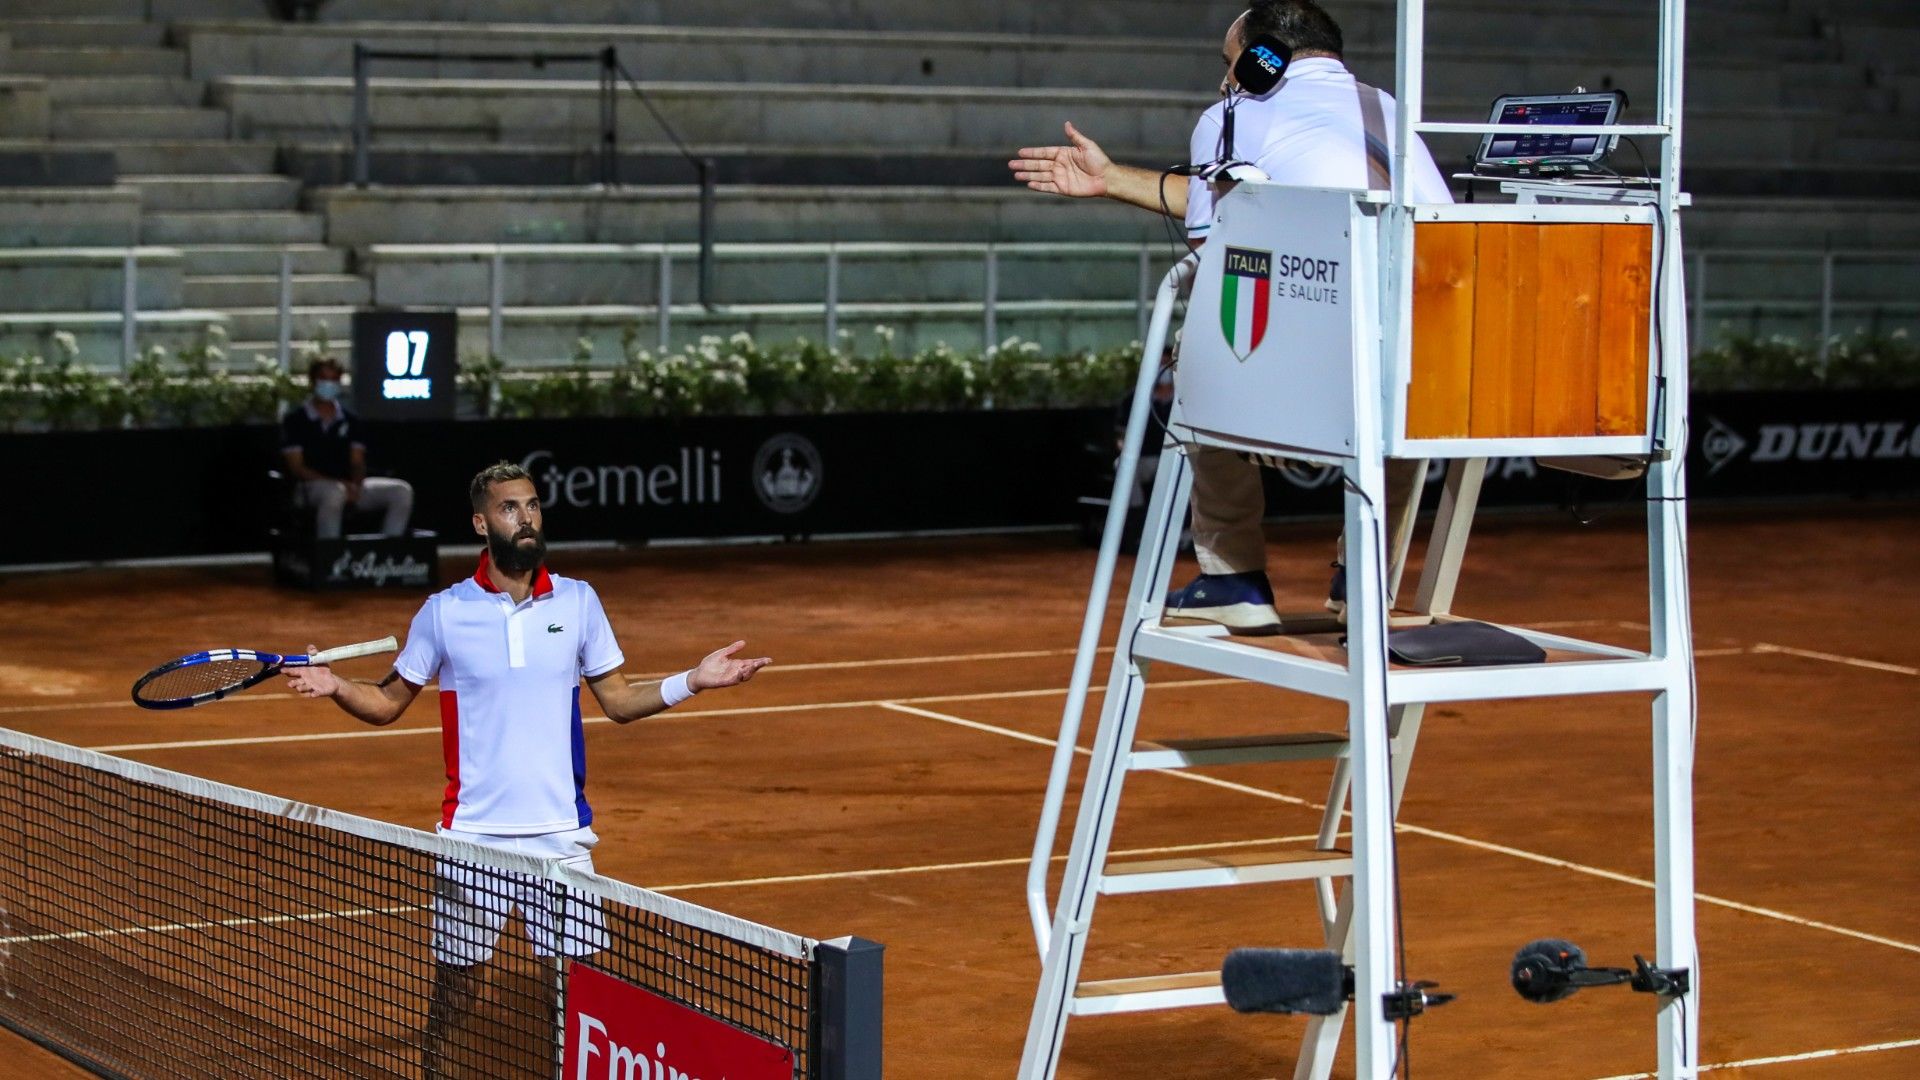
(847,1015)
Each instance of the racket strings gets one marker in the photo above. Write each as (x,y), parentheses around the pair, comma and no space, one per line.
(193,680)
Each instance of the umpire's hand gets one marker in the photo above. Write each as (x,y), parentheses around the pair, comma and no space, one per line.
(1078,171)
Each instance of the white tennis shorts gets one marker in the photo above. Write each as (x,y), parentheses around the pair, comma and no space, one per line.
(471,903)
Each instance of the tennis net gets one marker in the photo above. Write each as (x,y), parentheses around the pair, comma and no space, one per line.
(154,924)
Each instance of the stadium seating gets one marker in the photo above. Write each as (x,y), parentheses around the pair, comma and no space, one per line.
(882,121)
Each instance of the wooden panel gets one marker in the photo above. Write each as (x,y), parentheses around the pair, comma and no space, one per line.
(1503,330)
(1566,327)
(1441,394)
(1626,270)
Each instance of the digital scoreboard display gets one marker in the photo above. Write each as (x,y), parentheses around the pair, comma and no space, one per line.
(405,366)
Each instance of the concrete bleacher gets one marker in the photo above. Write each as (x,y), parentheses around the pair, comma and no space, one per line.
(854,121)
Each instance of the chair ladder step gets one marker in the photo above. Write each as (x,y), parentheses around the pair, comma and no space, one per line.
(1238,750)
(1153,992)
(1225,868)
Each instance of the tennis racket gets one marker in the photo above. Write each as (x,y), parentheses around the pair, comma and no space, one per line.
(209,676)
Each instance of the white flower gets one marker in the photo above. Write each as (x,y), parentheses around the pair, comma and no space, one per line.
(216,332)
(66,344)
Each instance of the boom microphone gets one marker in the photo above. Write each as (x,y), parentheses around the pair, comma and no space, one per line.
(1314,981)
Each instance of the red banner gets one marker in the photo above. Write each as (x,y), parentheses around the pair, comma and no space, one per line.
(617,1031)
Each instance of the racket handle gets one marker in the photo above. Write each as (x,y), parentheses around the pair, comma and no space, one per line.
(348,652)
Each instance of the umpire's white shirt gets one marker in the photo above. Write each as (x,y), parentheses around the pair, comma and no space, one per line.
(1321,127)
(510,698)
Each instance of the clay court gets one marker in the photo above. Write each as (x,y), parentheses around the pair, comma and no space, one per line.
(884,776)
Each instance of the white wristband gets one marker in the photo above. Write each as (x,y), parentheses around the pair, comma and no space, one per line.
(676,689)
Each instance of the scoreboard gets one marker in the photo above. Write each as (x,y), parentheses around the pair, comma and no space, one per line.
(405,366)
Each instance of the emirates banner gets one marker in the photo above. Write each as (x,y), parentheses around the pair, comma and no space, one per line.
(617,1031)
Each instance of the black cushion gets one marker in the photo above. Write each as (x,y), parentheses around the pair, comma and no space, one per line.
(1461,643)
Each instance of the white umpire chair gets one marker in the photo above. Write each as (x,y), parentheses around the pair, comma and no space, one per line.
(1553,326)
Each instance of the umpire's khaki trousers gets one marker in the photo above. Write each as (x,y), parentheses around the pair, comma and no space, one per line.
(1228,505)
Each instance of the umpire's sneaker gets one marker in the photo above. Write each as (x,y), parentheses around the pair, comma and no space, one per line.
(1337,593)
(1243,603)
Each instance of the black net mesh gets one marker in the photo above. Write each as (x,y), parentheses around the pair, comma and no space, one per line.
(174,684)
(157,933)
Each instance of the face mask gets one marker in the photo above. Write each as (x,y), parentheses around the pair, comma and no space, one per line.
(327,390)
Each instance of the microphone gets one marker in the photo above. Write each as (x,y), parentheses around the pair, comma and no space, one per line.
(1226,129)
(1313,981)
(1552,969)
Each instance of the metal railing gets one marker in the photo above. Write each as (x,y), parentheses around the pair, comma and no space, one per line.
(1825,305)
(612,72)
(832,254)
(1822,311)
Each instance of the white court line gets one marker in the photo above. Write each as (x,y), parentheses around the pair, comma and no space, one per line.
(1783,1059)
(772,669)
(978,864)
(834,665)
(827,665)
(893,661)
(1455,838)
(1851,661)
(691,714)
(172,928)
(1196,778)
(1807,654)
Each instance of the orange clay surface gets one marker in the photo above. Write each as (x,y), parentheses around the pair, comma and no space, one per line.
(883,778)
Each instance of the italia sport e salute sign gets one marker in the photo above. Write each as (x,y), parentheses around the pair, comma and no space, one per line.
(1266,358)
(617,1031)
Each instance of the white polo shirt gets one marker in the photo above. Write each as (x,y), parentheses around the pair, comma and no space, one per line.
(510,698)
(1320,127)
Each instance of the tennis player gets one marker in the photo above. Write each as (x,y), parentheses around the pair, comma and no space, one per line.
(509,647)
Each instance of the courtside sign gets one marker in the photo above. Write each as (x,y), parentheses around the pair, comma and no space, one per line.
(1266,359)
(617,1031)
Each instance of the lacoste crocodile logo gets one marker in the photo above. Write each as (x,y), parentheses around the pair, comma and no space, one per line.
(554,628)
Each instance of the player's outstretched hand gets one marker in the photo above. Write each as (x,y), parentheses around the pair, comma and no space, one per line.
(313,682)
(721,668)
(1078,171)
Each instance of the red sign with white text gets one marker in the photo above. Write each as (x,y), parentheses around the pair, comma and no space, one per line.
(617,1031)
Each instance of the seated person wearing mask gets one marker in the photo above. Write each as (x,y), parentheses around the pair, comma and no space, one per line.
(328,462)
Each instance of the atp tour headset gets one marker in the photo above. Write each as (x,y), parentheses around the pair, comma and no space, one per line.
(1256,73)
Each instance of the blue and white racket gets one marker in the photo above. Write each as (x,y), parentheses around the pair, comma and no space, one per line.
(212,675)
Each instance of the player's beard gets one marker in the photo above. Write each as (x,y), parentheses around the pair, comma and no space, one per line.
(514,557)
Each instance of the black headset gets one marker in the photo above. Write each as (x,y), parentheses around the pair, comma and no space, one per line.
(1258,71)
(1261,64)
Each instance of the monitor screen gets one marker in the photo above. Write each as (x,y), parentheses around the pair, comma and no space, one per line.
(1570,110)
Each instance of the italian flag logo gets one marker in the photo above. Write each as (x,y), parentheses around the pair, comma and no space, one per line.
(1243,299)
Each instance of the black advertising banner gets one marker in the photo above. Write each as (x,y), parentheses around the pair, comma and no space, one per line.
(759,476)
(1757,444)
(150,494)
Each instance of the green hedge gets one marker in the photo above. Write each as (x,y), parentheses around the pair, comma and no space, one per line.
(720,376)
